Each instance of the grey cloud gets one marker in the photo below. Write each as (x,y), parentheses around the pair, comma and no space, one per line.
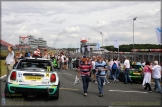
(63,7)
(56,20)
(14,21)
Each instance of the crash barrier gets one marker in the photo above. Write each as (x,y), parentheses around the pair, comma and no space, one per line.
(136,56)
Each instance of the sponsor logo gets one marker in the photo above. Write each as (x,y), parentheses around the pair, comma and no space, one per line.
(47,74)
(19,74)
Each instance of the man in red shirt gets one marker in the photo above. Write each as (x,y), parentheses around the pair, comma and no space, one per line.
(85,74)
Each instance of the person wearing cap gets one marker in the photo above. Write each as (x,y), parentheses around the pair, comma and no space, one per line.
(126,70)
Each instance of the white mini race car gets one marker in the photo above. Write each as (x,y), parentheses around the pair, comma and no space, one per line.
(31,76)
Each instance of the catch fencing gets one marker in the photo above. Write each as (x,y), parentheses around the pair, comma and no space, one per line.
(136,56)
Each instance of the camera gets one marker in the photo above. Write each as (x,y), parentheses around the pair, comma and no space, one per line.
(99,71)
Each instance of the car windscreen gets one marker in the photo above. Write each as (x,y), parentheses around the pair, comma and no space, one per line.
(38,65)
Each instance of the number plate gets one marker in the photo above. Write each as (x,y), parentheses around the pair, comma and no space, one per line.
(33,78)
(136,73)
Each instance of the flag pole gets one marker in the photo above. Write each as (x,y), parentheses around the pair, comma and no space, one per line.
(118,52)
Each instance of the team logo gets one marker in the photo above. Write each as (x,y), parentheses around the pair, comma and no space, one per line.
(19,74)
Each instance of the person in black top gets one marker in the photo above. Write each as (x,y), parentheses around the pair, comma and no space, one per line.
(69,62)
(77,63)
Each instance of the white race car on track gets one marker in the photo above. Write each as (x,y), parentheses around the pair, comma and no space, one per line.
(31,76)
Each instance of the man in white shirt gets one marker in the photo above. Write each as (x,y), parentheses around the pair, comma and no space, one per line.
(126,70)
(9,60)
(156,74)
(63,61)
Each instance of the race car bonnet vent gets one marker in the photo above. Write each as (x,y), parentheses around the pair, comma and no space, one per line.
(53,78)
(13,76)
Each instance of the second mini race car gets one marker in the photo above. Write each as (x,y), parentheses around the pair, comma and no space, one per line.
(135,74)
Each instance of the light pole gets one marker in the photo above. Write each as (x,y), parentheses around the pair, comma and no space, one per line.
(133,36)
(102,38)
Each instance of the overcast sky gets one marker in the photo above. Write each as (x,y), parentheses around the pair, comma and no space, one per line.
(63,23)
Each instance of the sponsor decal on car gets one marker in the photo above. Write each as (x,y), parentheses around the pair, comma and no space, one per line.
(15,83)
(48,68)
(53,86)
(44,82)
(47,74)
(19,74)
(20,80)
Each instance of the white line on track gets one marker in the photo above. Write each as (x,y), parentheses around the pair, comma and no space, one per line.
(129,91)
(68,89)
(3,76)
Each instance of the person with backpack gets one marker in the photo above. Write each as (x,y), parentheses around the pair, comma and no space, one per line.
(114,68)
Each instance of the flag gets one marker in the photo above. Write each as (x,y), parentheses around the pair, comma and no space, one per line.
(88,48)
(116,44)
(98,46)
(79,50)
(159,35)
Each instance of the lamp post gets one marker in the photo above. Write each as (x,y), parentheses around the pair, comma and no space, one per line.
(102,38)
(133,36)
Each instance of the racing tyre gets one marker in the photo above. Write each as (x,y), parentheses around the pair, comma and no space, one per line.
(7,94)
(57,94)
(56,97)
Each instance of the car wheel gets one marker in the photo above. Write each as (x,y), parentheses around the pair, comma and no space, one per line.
(56,97)
(57,94)
(7,94)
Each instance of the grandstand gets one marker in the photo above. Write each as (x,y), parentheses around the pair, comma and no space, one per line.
(4,45)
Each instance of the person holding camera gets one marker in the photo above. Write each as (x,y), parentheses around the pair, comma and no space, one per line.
(101,68)
(10,60)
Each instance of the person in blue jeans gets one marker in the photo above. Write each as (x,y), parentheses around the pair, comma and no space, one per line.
(85,74)
(101,68)
(114,70)
(126,71)
(118,70)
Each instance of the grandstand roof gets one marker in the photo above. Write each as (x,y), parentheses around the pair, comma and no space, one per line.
(5,43)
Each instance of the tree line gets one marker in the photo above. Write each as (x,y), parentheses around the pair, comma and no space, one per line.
(128,48)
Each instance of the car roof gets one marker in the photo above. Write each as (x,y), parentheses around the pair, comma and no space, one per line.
(35,58)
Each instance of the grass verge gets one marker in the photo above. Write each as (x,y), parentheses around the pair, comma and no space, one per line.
(3,69)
